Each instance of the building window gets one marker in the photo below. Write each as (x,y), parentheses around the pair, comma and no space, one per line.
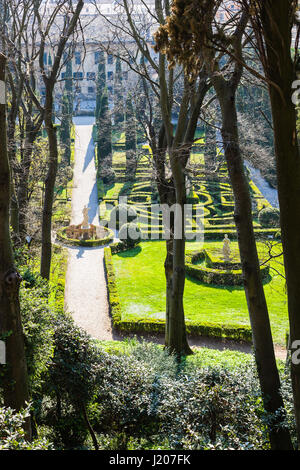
(78,76)
(110,75)
(63,75)
(45,58)
(77,58)
(91,76)
(110,59)
(91,89)
(125,75)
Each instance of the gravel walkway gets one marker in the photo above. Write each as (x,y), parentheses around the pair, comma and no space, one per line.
(86,291)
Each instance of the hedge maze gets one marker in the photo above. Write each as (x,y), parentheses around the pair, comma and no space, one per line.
(209,194)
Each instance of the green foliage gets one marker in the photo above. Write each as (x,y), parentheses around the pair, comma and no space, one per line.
(37,318)
(65,128)
(140,324)
(218,273)
(131,234)
(104,146)
(269,217)
(101,83)
(145,394)
(130,137)
(118,95)
(140,279)
(12,436)
(113,297)
(69,383)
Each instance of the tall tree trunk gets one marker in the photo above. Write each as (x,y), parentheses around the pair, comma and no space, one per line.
(11,139)
(49,186)
(276,23)
(177,340)
(257,306)
(24,180)
(15,380)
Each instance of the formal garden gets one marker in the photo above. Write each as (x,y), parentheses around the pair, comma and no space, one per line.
(149,238)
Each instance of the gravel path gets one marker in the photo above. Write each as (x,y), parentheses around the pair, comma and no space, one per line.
(86,291)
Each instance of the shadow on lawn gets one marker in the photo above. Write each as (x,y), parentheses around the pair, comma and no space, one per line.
(130,253)
(228,288)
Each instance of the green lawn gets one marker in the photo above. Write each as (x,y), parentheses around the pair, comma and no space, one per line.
(141,287)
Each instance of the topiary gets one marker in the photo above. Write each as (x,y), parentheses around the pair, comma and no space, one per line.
(107,175)
(269,217)
(122,214)
(130,234)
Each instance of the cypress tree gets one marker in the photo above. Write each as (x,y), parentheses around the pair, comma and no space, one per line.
(69,85)
(104,145)
(101,82)
(118,95)
(130,137)
(65,128)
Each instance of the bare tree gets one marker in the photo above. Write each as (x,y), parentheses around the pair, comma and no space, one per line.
(188,44)
(130,40)
(58,38)
(273,32)
(15,378)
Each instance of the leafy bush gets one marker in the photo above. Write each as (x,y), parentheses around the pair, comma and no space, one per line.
(269,217)
(37,320)
(69,383)
(122,213)
(146,394)
(12,436)
(131,234)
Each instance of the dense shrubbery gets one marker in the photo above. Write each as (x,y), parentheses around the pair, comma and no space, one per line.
(145,398)
(138,399)
(37,318)
(83,396)
(12,436)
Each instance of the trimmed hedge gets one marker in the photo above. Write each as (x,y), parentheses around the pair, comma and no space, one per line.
(215,330)
(113,297)
(142,325)
(87,243)
(213,273)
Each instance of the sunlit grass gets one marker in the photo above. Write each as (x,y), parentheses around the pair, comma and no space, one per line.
(141,286)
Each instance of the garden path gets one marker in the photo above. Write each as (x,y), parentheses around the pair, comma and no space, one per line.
(86,290)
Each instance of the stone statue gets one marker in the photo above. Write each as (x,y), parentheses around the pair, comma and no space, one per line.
(226,248)
(85,212)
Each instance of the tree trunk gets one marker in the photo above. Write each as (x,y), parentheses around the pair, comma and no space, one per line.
(11,139)
(177,340)
(258,311)
(276,23)
(15,382)
(24,181)
(49,186)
